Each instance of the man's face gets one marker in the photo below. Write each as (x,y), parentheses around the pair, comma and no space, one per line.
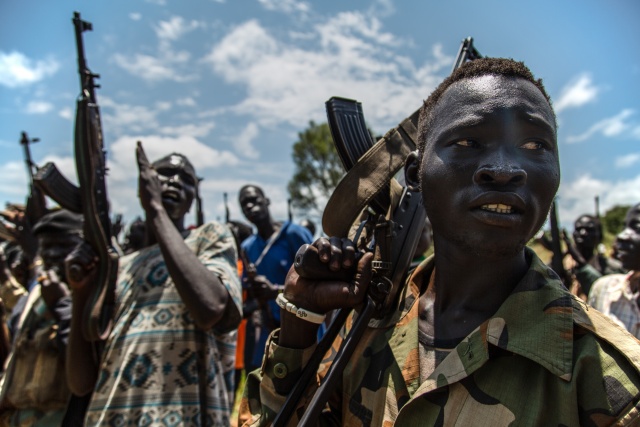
(586,235)
(254,205)
(178,189)
(54,248)
(628,241)
(490,168)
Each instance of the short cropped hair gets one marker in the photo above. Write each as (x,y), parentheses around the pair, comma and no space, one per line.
(476,68)
(245,187)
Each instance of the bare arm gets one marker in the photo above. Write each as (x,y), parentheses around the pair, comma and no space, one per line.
(203,293)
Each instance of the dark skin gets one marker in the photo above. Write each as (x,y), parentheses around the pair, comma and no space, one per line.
(255,207)
(54,248)
(586,236)
(627,243)
(166,195)
(493,141)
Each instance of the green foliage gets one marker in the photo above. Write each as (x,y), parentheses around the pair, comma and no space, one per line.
(317,167)
(613,219)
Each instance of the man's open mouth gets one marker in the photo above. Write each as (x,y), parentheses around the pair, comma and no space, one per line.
(498,208)
(170,195)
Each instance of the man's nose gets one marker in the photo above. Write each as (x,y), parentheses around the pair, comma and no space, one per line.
(501,168)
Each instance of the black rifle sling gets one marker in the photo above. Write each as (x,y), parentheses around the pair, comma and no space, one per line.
(372,173)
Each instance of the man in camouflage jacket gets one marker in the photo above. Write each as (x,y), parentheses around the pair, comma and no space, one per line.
(484,334)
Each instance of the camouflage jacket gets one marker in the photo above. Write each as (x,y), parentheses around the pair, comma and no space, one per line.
(545,358)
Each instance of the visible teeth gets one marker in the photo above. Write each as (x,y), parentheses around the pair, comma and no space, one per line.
(497,207)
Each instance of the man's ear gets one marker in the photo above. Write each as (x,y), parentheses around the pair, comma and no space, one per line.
(412,171)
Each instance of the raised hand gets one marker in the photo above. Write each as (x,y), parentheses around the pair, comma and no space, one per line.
(149,186)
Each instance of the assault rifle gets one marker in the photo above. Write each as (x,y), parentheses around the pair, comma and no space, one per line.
(557,256)
(36,205)
(393,217)
(90,198)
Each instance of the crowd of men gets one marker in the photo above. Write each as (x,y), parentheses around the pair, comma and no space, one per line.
(483,332)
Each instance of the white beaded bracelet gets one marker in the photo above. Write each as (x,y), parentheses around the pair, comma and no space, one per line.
(301,313)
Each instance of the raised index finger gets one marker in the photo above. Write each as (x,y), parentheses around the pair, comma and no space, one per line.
(141,156)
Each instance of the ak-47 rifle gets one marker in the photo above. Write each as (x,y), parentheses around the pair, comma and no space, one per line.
(36,205)
(557,256)
(90,198)
(394,218)
(199,211)
(227,215)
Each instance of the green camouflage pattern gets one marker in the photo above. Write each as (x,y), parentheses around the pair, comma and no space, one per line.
(544,359)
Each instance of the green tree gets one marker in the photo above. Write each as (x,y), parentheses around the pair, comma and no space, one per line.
(613,219)
(317,167)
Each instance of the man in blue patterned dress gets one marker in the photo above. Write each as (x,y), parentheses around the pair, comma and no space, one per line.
(169,359)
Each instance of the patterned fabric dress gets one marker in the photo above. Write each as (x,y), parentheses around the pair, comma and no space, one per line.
(158,368)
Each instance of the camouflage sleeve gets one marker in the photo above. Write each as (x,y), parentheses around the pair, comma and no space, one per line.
(607,372)
(266,388)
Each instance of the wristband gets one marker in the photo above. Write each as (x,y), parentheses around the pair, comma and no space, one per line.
(301,313)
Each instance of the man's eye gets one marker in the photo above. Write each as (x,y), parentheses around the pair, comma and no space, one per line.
(532,145)
(466,143)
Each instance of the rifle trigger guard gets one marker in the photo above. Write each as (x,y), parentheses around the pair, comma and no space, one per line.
(379,290)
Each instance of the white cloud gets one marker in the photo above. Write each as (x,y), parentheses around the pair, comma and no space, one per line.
(18,70)
(155,68)
(135,16)
(66,113)
(38,107)
(121,118)
(242,144)
(186,102)
(14,181)
(577,197)
(609,127)
(382,8)
(175,28)
(286,6)
(353,57)
(628,160)
(191,129)
(163,105)
(157,2)
(578,92)
(167,63)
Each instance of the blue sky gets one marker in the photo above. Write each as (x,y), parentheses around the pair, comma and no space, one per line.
(230,83)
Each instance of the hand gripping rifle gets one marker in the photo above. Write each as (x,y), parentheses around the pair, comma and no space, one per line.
(90,198)
(394,218)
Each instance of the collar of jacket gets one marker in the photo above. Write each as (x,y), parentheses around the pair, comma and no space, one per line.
(535,321)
